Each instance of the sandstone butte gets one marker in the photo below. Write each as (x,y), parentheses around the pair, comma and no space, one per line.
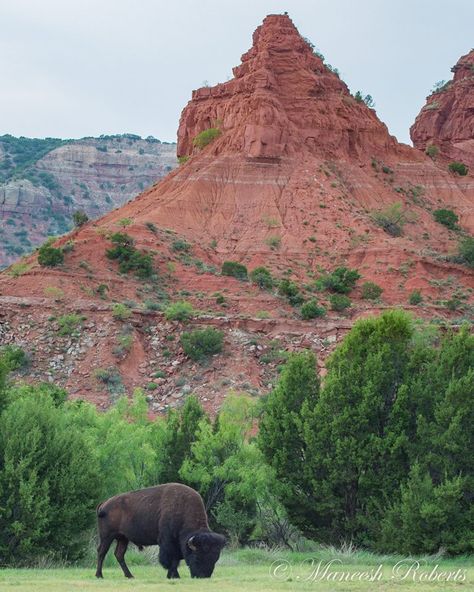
(447,119)
(292,182)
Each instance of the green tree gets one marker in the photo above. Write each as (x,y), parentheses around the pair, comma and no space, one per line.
(227,469)
(281,437)
(180,435)
(48,481)
(202,343)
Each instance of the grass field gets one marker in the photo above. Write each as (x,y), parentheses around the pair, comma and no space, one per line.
(262,571)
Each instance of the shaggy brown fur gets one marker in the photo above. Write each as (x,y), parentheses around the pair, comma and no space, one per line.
(171,516)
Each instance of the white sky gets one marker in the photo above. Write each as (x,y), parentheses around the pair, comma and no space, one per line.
(72,68)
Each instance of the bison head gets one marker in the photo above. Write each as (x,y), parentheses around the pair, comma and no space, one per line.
(203,551)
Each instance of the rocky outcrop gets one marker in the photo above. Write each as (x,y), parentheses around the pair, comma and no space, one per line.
(283,101)
(447,119)
(93,174)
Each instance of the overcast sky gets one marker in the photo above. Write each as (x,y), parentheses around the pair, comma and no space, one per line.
(73,68)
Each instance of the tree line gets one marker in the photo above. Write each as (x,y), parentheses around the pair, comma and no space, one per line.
(379,452)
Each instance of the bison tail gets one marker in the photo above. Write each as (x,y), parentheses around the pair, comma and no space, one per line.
(100,512)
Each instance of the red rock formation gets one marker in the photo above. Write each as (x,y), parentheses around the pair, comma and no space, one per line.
(447,119)
(291,182)
(283,101)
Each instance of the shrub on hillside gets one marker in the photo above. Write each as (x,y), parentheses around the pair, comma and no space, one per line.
(206,137)
(342,280)
(179,311)
(466,251)
(415,298)
(121,311)
(80,218)
(458,168)
(180,245)
(371,291)
(432,151)
(290,291)
(262,277)
(393,218)
(69,324)
(202,343)
(14,357)
(129,258)
(49,256)
(312,310)
(447,218)
(339,302)
(234,269)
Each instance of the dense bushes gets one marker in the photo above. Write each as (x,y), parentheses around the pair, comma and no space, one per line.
(179,311)
(379,455)
(130,258)
(290,291)
(371,291)
(262,277)
(311,310)
(49,256)
(446,217)
(342,280)
(234,269)
(49,482)
(202,343)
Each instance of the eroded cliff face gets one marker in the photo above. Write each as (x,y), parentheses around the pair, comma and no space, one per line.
(447,119)
(295,179)
(95,175)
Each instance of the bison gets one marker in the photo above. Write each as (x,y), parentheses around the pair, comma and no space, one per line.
(171,516)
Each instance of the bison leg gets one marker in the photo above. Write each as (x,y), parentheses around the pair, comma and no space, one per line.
(120,550)
(102,549)
(169,559)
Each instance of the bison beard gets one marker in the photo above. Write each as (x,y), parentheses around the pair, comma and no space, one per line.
(171,516)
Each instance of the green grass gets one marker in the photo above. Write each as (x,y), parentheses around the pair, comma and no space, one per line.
(245,569)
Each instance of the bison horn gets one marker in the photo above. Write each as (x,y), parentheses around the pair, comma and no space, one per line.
(191,545)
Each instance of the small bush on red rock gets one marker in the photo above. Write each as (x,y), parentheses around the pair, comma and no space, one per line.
(447,218)
(339,302)
(201,343)
(234,269)
(371,291)
(262,277)
(458,167)
(49,256)
(342,280)
(129,258)
(312,310)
